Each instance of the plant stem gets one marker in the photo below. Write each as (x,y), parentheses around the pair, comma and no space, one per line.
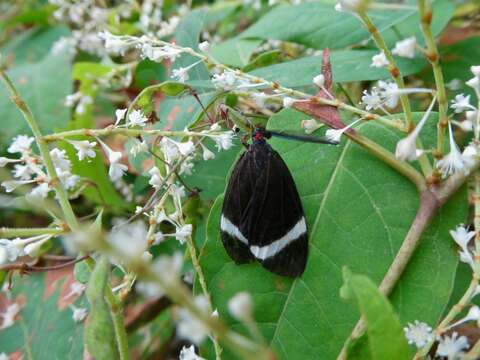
(454,311)
(393,68)
(62,196)
(425,12)
(26,232)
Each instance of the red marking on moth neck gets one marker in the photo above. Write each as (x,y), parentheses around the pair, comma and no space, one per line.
(258,136)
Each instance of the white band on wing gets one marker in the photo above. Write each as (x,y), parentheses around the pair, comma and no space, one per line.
(227,226)
(272,249)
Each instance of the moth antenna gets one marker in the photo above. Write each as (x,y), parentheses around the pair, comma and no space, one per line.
(195,95)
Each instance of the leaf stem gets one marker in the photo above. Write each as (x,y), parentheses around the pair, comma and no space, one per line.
(44,151)
(425,12)
(22,232)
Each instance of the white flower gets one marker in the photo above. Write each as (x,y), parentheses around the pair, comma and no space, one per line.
(188,353)
(475,70)
(25,172)
(472,315)
(418,333)
(351,5)
(335,134)
(319,80)
(79,314)
(189,327)
(467,258)
(454,84)
(405,48)
(158,237)
(183,232)
(259,98)
(461,103)
(11,185)
(474,83)
(84,148)
(129,240)
(76,289)
(180,74)
(240,306)
(34,249)
(60,159)
(120,115)
(168,268)
(39,192)
(137,118)
(379,60)
(204,46)
(170,149)
(310,125)
(288,102)
(453,161)
(406,148)
(462,237)
(156,179)
(207,154)
(4,161)
(12,250)
(469,155)
(224,141)
(4,356)
(452,347)
(371,100)
(389,91)
(21,144)
(226,80)
(114,45)
(471,116)
(116,170)
(3,255)
(9,315)
(186,148)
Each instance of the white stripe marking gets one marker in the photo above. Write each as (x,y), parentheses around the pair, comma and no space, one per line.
(264,252)
(227,226)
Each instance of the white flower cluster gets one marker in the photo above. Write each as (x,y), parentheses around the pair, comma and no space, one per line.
(29,168)
(403,48)
(11,250)
(233,80)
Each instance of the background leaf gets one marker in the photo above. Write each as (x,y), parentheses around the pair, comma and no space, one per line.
(45,328)
(353,204)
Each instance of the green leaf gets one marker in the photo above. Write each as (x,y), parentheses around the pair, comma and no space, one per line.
(44,329)
(32,45)
(99,332)
(235,52)
(385,336)
(319,26)
(358,212)
(347,66)
(265,59)
(43,94)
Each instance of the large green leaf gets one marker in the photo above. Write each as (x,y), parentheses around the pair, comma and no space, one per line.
(33,45)
(358,212)
(385,336)
(318,25)
(45,329)
(43,85)
(347,65)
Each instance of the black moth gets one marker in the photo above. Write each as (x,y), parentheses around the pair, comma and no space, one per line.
(262,216)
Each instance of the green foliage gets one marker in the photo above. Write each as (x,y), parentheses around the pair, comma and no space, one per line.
(44,329)
(99,332)
(352,203)
(385,334)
